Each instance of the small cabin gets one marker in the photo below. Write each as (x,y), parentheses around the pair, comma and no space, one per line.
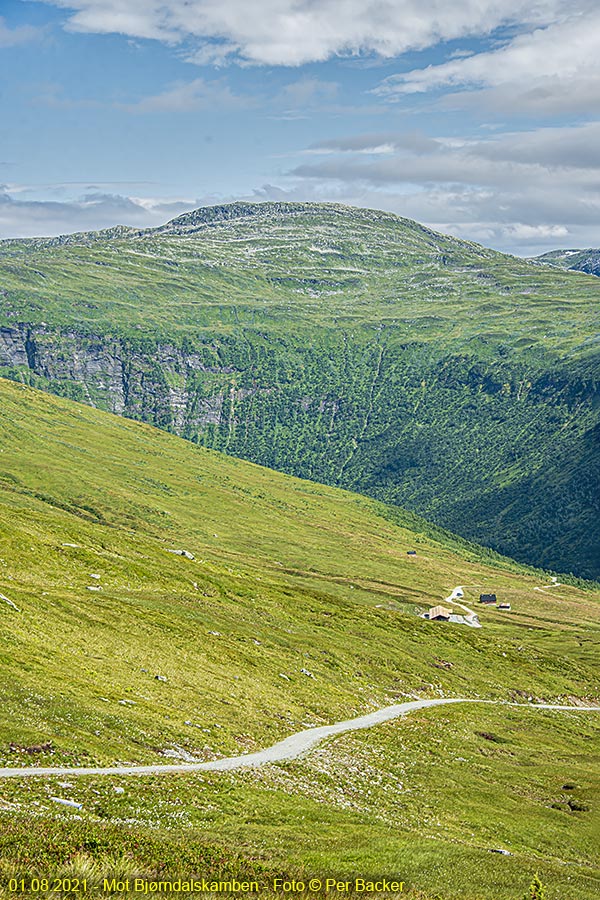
(487,598)
(439,614)
(504,606)
(411,552)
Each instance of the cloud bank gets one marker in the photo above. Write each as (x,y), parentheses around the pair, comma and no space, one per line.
(516,190)
(550,70)
(22,217)
(294,32)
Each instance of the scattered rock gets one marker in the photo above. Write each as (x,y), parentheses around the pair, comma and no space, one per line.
(119,790)
(177,752)
(160,677)
(498,850)
(281,675)
(185,553)
(67,802)
(127,702)
(69,545)
(10,603)
(48,747)
(306,672)
(488,736)
(216,633)
(94,587)
(92,575)
(576,806)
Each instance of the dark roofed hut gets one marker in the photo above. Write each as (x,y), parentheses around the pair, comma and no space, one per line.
(487,598)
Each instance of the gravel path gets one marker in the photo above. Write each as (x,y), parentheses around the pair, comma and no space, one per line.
(290,748)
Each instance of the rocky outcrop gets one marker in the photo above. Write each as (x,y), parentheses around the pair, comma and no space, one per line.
(159,384)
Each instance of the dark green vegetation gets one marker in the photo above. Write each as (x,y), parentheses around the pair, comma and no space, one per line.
(346,346)
(587,261)
(287,575)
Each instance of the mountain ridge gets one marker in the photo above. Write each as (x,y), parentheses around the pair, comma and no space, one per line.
(230,212)
(587,261)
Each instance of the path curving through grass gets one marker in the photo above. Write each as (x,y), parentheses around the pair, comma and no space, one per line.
(289,748)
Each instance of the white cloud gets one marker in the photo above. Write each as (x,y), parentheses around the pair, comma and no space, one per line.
(545,157)
(293,32)
(13,37)
(534,232)
(189,96)
(552,69)
(380,142)
(210,53)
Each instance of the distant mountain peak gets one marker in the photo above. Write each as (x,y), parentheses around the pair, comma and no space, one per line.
(587,261)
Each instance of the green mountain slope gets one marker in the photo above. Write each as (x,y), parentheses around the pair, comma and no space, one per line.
(287,575)
(347,346)
(587,261)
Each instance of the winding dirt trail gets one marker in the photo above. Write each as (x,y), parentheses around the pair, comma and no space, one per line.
(289,748)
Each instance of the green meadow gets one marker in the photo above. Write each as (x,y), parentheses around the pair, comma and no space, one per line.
(119,651)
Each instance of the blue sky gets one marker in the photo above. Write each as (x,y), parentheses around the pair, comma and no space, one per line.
(477,117)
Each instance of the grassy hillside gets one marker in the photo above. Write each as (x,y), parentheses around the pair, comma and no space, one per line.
(424,800)
(287,575)
(348,346)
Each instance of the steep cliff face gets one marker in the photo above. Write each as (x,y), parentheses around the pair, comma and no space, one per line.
(345,346)
(465,444)
(155,386)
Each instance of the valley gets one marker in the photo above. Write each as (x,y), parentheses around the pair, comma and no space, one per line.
(350,347)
